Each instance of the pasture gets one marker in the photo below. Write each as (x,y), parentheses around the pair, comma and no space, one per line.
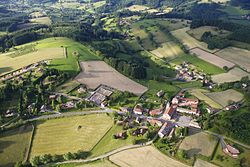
(202,163)
(41,20)
(67,87)
(200,94)
(198,32)
(59,136)
(237,56)
(145,156)
(225,97)
(168,50)
(188,41)
(14,145)
(211,58)
(198,142)
(231,76)
(137,8)
(98,72)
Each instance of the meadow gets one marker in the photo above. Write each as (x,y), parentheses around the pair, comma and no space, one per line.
(98,163)
(145,156)
(83,132)
(231,76)
(237,56)
(225,97)
(67,87)
(41,20)
(202,163)
(14,145)
(198,142)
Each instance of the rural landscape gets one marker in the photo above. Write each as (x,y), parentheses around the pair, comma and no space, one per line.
(124,83)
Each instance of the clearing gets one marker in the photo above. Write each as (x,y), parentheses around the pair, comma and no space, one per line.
(231,76)
(146,156)
(188,41)
(198,142)
(13,145)
(41,20)
(95,73)
(199,93)
(225,97)
(167,50)
(236,55)
(83,132)
(137,8)
(211,58)
(202,163)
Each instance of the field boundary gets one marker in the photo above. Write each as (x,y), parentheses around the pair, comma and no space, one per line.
(31,143)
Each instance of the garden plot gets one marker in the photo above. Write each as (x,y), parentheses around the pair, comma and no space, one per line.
(95,73)
(236,55)
(212,58)
(145,156)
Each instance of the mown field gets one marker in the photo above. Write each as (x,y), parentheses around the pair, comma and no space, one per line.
(14,145)
(200,94)
(237,56)
(68,86)
(146,156)
(98,163)
(59,136)
(41,20)
(198,142)
(202,163)
(225,97)
(231,76)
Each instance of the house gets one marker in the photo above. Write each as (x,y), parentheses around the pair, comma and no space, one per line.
(81,90)
(140,131)
(121,135)
(52,97)
(194,124)
(44,109)
(154,122)
(68,105)
(175,100)
(160,93)
(155,112)
(188,102)
(165,129)
(231,151)
(9,113)
(169,111)
(188,111)
(138,109)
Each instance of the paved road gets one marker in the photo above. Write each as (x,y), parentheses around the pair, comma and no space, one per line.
(67,114)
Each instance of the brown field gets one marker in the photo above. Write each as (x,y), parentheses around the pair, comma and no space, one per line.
(236,55)
(95,73)
(189,41)
(202,163)
(224,97)
(232,76)
(137,8)
(144,157)
(211,58)
(167,50)
(198,142)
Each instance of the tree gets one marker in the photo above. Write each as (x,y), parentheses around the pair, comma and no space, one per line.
(36,161)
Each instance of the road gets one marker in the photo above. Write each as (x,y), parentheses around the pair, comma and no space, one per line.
(67,114)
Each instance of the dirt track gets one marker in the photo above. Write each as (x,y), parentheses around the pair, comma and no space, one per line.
(95,73)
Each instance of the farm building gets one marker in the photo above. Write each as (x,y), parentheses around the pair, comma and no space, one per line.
(169,111)
(165,129)
(138,109)
(231,151)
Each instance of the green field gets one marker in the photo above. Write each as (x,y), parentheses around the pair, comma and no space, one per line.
(50,48)
(59,136)
(13,145)
(98,163)
(168,50)
(199,63)
(68,86)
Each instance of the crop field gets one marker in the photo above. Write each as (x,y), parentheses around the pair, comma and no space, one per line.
(168,50)
(98,72)
(212,58)
(13,145)
(224,97)
(198,32)
(189,41)
(202,163)
(8,63)
(231,76)
(53,136)
(146,156)
(198,142)
(200,94)
(41,20)
(137,8)
(200,64)
(98,163)
(237,56)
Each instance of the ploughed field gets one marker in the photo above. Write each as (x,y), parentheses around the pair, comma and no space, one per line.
(95,73)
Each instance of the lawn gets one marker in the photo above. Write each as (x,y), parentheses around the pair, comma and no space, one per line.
(13,145)
(224,160)
(108,143)
(145,156)
(200,94)
(225,97)
(193,84)
(199,63)
(198,142)
(59,136)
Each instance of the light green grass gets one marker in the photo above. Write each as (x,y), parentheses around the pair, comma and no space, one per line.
(199,63)
(98,163)
(13,145)
(68,86)
(59,136)
(168,50)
